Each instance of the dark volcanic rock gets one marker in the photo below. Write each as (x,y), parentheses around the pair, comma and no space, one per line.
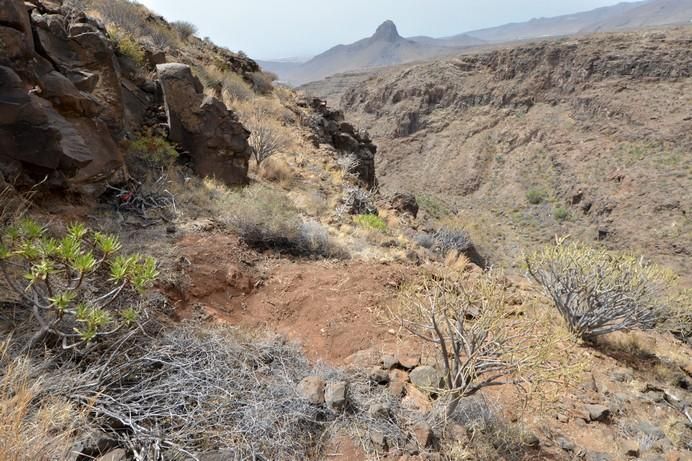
(216,140)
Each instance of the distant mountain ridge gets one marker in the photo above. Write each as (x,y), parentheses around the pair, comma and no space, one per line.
(386,47)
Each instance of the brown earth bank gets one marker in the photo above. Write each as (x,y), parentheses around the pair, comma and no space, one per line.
(597,129)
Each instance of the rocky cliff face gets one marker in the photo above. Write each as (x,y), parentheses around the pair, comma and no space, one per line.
(598,127)
(68,100)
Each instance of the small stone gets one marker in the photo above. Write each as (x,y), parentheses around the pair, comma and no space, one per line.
(408,360)
(389,362)
(312,389)
(598,412)
(425,378)
(566,444)
(631,448)
(458,433)
(396,388)
(622,375)
(171,229)
(379,376)
(423,434)
(598,457)
(531,440)
(335,395)
(379,410)
(416,400)
(562,418)
(378,439)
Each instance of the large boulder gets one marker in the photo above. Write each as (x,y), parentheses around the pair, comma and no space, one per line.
(215,139)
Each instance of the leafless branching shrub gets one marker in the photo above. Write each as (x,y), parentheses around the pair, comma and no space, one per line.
(357,201)
(599,292)
(480,343)
(268,135)
(348,163)
(192,391)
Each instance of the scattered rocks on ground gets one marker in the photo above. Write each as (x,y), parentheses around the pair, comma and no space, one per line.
(631,448)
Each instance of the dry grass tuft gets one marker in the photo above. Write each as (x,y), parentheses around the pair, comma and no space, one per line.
(29,428)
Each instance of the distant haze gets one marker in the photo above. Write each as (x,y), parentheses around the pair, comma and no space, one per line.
(270,29)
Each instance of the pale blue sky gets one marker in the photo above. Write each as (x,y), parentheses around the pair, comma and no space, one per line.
(267,29)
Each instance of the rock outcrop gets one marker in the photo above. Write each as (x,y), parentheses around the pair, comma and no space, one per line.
(68,100)
(202,125)
(331,128)
(60,98)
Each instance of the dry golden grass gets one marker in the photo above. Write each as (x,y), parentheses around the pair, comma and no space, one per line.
(32,430)
(277,170)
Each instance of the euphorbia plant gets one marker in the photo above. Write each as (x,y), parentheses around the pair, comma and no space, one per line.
(77,284)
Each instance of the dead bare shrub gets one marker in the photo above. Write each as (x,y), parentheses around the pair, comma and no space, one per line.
(598,292)
(479,342)
(268,135)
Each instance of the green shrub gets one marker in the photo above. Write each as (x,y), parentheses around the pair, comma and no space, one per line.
(561,214)
(127,45)
(535,196)
(371,221)
(433,206)
(75,284)
(599,292)
(154,150)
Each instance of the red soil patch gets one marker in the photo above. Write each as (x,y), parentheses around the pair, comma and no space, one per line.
(332,308)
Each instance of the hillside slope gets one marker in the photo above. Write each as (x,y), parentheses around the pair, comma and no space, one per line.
(597,132)
(626,15)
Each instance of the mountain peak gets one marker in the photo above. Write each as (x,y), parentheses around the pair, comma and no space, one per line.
(387,31)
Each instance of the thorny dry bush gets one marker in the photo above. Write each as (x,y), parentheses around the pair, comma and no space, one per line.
(480,340)
(598,292)
(191,391)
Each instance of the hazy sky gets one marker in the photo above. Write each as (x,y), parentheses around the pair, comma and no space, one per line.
(267,29)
